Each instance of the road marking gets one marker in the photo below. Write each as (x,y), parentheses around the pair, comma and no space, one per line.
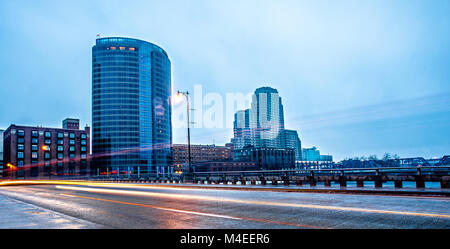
(203,198)
(195,212)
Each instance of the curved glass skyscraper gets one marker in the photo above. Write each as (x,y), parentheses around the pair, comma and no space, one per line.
(131,108)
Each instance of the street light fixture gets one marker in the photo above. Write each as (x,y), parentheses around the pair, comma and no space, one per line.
(190,170)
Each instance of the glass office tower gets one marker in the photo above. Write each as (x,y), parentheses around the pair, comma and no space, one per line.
(131,108)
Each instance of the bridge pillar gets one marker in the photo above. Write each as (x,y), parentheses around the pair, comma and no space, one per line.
(360,183)
(420,183)
(327,183)
(378,183)
(263,181)
(299,182)
(343,182)
(398,184)
(274,182)
(253,182)
(286,182)
(234,181)
(445,184)
(243,181)
(312,182)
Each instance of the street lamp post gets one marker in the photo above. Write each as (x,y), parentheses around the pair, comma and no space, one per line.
(189,175)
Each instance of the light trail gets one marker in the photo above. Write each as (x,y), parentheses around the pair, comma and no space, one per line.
(197,213)
(266,203)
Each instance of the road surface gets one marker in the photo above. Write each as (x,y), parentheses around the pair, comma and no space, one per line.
(118,205)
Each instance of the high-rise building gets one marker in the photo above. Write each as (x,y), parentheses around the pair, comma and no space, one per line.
(46,152)
(267,118)
(292,141)
(241,129)
(131,107)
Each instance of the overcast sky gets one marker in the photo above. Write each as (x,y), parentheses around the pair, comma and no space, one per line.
(356,77)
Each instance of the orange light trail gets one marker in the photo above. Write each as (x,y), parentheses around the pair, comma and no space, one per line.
(266,203)
(197,213)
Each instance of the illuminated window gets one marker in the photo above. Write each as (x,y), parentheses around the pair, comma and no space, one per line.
(122,48)
(131,49)
(113,48)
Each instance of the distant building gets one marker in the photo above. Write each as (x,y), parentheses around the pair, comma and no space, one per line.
(241,129)
(292,141)
(262,125)
(45,152)
(313,154)
(266,118)
(267,158)
(199,153)
(71,123)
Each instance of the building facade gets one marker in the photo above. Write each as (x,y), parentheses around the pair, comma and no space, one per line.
(313,154)
(241,129)
(131,107)
(266,118)
(228,165)
(31,152)
(292,141)
(199,153)
(267,158)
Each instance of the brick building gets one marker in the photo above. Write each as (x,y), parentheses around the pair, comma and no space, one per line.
(199,153)
(33,152)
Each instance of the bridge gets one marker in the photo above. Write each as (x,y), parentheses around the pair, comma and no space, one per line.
(300,177)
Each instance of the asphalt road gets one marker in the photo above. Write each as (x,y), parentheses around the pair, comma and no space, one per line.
(151,206)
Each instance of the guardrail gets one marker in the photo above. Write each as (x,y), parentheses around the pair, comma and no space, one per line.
(300,177)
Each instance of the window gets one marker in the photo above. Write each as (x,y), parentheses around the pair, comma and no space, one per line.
(60,142)
(83,142)
(60,148)
(20,133)
(34,155)
(72,148)
(72,142)
(34,140)
(20,147)
(60,155)
(83,148)
(47,155)
(72,155)
(20,163)
(48,134)
(83,136)
(34,133)
(72,135)
(20,140)
(20,155)
(83,155)
(60,135)
(34,147)
(48,141)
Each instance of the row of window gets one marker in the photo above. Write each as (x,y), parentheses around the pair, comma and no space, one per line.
(48,134)
(112,73)
(47,155)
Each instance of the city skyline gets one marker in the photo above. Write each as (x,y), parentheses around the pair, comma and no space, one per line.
(394,75)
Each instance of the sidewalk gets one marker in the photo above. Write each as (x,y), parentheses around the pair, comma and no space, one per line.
(16,214)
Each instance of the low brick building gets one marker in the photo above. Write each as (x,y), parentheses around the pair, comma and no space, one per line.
(36,152)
